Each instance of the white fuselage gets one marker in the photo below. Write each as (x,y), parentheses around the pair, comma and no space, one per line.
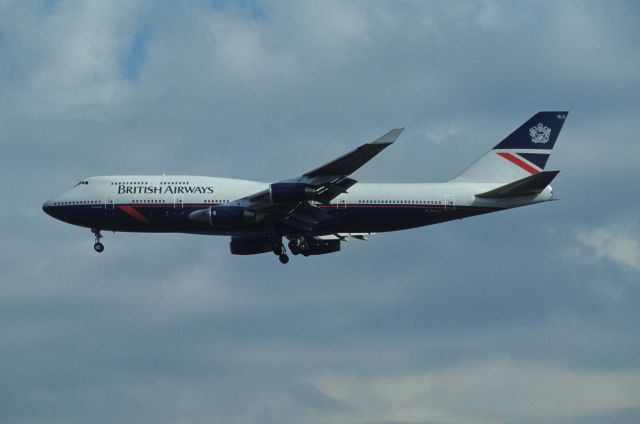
(150,203)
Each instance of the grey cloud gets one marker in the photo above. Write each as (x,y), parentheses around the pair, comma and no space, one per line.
(615,244)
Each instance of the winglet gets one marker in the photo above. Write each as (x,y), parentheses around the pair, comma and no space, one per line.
(390,137)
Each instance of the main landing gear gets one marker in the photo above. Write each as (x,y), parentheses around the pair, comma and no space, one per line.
(299,246)
(281,252)
(98,246)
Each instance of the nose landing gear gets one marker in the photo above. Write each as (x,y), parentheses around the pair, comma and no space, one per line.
(98,246)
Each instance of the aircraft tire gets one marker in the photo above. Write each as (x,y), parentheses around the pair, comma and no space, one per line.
(278,249)
(293,248)
(283,258)
(98,247)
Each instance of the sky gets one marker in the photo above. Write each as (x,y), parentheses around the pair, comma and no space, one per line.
(524,316)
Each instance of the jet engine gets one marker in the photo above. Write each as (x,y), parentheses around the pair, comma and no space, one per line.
(224,216)
(291,192)
(245,245)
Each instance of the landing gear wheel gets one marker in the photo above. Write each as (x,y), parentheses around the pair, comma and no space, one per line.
(278,249)
(98,247)
(293,248)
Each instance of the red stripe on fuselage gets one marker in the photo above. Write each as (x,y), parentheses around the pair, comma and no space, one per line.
(522,164)
(129,210)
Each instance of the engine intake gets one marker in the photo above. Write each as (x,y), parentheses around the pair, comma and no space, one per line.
(291,192)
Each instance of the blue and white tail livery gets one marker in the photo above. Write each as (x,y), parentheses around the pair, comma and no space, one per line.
(524,152)
(320,209)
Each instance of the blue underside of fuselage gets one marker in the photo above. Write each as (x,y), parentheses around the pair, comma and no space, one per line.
(350,219)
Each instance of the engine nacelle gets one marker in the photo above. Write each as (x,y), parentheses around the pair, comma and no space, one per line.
(224,216)
(323,247)
(230,216)
(245,245)
(291,192)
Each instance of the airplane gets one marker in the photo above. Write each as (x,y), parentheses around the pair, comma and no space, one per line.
(319,210)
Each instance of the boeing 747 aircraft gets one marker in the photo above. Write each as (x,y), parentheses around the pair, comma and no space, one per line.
(320,209)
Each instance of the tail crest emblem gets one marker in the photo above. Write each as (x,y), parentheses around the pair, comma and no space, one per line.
(540,133)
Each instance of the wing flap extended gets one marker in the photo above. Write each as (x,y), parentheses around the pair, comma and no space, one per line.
(302,217)
(345,236)
(528,186)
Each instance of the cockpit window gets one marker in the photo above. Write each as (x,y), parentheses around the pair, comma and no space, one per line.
(85,182)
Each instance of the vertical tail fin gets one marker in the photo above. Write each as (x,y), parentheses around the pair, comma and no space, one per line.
(524,152)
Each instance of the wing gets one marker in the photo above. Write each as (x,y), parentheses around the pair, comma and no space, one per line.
(352,161)
(294,203)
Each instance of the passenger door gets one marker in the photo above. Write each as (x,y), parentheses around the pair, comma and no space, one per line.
(178,204)
(449,202)
(109,204)
(341,204)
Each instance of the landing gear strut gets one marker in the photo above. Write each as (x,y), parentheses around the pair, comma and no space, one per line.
(99,247)
(280,251)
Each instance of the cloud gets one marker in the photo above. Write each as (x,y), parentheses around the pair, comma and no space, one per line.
(614,243)
(440,134)
(482,320)
(500,391)
(70,55)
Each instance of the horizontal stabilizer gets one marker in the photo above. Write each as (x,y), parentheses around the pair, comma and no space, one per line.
(528,186)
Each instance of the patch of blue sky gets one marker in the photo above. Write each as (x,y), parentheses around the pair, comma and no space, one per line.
(47,6)
(132,62)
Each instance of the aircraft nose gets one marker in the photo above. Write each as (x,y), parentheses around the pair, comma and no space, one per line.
(47,207)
